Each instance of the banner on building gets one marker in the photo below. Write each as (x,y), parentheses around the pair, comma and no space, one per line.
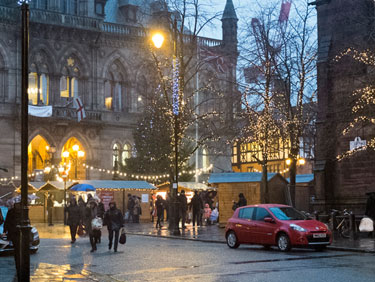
(40,111)
(106,197)
(219,62)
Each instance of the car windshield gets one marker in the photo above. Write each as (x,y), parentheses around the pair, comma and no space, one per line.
(287,213)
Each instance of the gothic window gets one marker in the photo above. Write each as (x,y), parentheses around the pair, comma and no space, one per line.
(38,88)
(140,97)
(126,153)
(114,89)
(68,87)
(99,8)
(70,79)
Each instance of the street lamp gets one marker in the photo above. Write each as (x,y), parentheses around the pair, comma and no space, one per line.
(158,40)
(75,156)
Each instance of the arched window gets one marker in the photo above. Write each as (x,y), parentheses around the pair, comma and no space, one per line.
(115,155)
(114,89)
(38,88)
(69,81)
(205,159)
(68,87)
(126,153)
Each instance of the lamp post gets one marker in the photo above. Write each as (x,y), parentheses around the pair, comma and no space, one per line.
(292,164)
(22,253)
(64,176)
(77,153)
(158,40)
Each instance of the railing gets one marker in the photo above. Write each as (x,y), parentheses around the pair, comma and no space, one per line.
(70,113)
(50,17)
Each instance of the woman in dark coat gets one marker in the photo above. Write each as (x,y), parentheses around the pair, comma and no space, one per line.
(159,204)
(114,221)
(74,218)
(91,213)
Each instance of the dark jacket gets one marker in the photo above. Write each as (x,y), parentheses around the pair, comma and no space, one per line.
(101,210)
(242,202)
(130,204)
(370,206)
(196,203)
(182,202)
(91,213)
(159,207)
(12,219)
(74,215)
(113,219)
(49,203)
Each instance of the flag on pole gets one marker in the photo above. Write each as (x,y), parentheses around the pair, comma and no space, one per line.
(40,111)
(80,109)
(219,62)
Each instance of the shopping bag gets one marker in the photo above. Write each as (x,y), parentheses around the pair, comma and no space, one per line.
(366,225)
(97,223)
(122,239)
(80,231)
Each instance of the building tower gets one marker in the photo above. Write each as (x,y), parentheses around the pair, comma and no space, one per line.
(342,24)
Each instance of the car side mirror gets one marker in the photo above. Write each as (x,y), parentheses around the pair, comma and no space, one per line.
(269,220)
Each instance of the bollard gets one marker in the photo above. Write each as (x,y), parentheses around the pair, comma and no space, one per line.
(352,226)
(333,224)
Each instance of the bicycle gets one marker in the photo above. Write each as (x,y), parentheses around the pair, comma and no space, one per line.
(342,223)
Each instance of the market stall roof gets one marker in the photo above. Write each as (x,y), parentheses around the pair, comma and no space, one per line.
(236,177)
(303,178)
(188,185)
(30,189)
(50,186)
(117,184)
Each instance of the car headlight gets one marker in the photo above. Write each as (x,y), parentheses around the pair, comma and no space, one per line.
(297,227)
(327,226)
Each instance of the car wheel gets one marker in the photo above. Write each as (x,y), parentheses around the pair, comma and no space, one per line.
(283,242)
(33,251)
(232,240)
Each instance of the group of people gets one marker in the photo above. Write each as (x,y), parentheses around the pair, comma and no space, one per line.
(199,210)
(90,216)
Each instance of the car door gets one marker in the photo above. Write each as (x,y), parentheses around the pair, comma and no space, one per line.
(245,225)
(263,231)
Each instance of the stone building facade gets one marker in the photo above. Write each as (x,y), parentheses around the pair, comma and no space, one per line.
(96,50)
(342,24)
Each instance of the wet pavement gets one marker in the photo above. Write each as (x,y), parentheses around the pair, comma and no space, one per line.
(65,269)
(215,234)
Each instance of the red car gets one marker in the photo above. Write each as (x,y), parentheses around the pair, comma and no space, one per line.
(275,225)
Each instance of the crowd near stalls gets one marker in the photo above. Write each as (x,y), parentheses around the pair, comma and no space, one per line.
(196,202)
(49,196)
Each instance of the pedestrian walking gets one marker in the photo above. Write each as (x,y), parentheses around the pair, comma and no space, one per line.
(196,206)
(50,209)
(91,213)
(13,219)
(159,204)
(130,206)
(74,218)
(183,206)
(101,212)
(82,215)
(114,221)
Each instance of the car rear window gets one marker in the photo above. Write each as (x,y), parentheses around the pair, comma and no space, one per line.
(246,213)
(287,213)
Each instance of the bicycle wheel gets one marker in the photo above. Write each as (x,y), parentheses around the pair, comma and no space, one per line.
(345,229)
